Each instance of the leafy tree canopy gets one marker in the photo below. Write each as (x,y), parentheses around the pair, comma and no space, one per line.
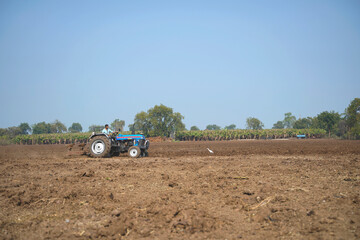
(231,127)
(352,117)
(10,131)
(141,123)
(96,128)
(213,127)
(118,125)
(194,128)
(3,132)
(278,125)
(13,131)
(25,128)
(328,121)
(289,120)
(254,123)
(41,128)
(75,127)
(352,113)
(303,123)
(158,121)
(57,127)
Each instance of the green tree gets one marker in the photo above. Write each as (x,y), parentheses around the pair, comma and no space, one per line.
(118,124)
(177,123)
(355,131)
(231,127)
(141,123)
(13,131)
(41,128)
(164,121)
(132,128)
(95,128)
(289,120)
(57,127)
(25,128)
(328,121)
(158,121)
(3,132)
(342,127)
(303,123)
(254,123)
(75,128)
(278,125)
(213,127)
(352,118)
(159,118)
(194,128)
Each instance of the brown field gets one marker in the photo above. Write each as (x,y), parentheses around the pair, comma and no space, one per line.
(259,189)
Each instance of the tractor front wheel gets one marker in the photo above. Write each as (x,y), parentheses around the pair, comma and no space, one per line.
(134,152)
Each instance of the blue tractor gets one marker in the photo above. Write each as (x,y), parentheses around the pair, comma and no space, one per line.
(102,145)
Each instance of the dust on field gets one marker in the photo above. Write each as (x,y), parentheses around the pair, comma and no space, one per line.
(296,189)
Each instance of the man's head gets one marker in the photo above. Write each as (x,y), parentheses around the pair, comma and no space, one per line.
(106,126)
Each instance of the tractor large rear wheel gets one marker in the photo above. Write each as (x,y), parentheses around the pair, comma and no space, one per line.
(99,146)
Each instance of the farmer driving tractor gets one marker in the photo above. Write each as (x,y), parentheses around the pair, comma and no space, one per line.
(107,130)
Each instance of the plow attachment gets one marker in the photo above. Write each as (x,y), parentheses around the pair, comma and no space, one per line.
(76,149)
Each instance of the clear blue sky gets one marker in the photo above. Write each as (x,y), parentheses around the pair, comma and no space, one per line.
(215,62)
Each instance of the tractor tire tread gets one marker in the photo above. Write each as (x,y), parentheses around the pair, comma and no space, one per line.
(107,150)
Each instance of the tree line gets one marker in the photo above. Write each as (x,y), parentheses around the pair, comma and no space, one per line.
(40,128)
(55,127)
(161,120)
(157,121)
(345,125)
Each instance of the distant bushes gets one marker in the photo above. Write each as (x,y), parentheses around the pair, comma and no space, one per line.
(55,138)
(211,135)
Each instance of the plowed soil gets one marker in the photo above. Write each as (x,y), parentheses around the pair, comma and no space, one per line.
(250,189)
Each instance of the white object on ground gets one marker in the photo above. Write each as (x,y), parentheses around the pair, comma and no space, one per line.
(209,150)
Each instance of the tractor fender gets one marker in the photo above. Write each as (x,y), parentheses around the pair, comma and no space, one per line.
(99,134)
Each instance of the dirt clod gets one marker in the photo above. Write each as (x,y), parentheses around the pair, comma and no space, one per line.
(310,213)
(89,173)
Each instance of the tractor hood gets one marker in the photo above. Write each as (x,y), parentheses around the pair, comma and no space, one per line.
(131,136)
